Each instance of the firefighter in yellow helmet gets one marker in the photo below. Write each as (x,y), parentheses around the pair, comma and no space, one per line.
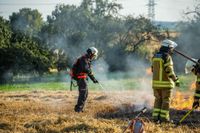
(196,71)
(164,79)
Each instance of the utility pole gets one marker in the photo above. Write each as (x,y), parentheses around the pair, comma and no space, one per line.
(151,10)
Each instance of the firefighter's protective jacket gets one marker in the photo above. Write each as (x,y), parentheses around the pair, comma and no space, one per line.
(82,68)
(196,71)
(163,71)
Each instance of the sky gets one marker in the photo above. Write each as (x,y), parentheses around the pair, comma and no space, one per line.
(165,10)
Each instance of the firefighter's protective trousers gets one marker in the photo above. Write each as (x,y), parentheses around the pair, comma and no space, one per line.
(161,104)
(83,93)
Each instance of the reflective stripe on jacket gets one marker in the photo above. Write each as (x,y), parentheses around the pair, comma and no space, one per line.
(82,76)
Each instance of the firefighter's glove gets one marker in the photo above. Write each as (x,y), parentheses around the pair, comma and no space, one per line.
(177,82)
(195,103)
(93,78)
(95,81)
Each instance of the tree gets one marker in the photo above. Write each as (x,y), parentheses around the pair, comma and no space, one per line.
(5,33)
(5,36)
(26,21)
(21,49)
(133,33)
(26,26)
(23,56)
(74,29)
(95,23)
(101,7)
(138,31)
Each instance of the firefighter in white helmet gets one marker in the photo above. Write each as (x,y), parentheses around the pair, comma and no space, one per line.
(80,70)
(164,79)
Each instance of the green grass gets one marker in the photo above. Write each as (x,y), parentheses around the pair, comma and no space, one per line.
(35,86)
(115,84)
(186,81)
(125,84)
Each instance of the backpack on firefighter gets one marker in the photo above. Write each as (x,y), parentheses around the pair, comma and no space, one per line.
(74,75)
(73,71)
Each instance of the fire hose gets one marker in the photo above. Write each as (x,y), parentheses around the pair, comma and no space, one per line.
(183,118)
(185,56)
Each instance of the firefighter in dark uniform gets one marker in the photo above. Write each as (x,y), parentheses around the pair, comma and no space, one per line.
(196,71)
(164,79)
(80,70)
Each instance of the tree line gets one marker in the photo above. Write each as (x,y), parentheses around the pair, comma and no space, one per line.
(28,44)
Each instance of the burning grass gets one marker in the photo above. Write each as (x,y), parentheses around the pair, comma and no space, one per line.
(105,112)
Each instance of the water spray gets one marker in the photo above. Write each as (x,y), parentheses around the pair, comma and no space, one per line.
(101,86)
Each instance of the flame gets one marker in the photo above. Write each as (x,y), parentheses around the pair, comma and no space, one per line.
(148,71)
(181,101)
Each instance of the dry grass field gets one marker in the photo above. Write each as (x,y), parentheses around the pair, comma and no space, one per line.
(105,112)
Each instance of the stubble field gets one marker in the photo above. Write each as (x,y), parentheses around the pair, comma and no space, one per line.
(105,112)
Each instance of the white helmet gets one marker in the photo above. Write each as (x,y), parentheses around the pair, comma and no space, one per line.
(92,52)
(169,43)
(189,66)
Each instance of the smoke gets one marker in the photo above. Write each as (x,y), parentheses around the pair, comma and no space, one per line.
(132,86)
(143,96)
(137,66)
(100,69)
(188,42)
